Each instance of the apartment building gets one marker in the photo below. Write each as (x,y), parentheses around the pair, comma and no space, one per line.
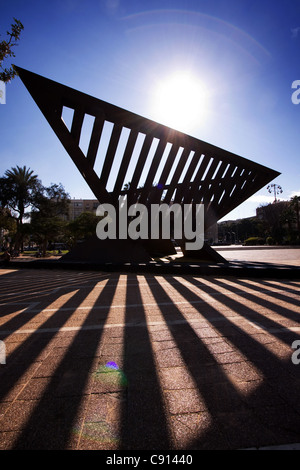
(78,206)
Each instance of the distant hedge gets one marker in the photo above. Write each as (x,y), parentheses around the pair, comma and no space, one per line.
(254,241)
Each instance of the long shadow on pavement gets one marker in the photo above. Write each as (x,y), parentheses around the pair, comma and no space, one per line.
(53,420)
(270,413)
(224,381)
(144,424)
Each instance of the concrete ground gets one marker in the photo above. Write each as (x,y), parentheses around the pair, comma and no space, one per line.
(289,256)
(144,361)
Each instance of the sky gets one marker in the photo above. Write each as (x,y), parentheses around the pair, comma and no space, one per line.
(241,55)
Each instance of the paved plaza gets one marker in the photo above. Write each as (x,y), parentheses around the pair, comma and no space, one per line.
(283,256)
(144,361)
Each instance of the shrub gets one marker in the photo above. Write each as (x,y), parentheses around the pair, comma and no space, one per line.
(254,241)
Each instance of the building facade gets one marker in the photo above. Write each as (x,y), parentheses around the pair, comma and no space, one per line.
(78,206)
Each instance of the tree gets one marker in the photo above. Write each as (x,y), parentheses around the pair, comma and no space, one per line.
(46,229)
(295,205)
(8,227)
(84,226)
(292,219)
(47,216)
(236,231)
(273,220)
(19,189)
(7,74)
(7,222)
(52,201)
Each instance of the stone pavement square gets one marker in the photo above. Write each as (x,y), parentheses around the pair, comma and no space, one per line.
(125,361)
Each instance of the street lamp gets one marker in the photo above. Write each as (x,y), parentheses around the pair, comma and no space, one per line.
(276,189)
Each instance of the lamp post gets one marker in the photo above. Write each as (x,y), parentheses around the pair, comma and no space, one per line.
(276,189)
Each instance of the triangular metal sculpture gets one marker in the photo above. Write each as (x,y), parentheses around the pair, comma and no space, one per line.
(191,170)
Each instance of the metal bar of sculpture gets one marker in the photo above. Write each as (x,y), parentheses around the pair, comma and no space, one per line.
(192,171)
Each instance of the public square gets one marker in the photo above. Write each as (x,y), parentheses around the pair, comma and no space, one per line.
(144,361)
(149,227)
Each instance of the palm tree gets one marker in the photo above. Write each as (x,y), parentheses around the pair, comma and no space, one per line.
(21,186)
(18,190)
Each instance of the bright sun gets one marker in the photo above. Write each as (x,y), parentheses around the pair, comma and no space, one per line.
(180,101)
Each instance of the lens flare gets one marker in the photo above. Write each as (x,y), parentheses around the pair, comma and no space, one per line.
(111,375)
(112,365)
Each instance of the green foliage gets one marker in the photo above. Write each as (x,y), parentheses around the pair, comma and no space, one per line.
(19,188)
(254,241)
(7,222)
(47,222)
(236,231)
(8,225)
(281,221)
(295,207)
(277,223)
(13,36)
(84,226)
(52,201)
(44,229)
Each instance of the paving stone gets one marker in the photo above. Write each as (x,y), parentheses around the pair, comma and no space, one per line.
(7,439)
(17,415)
(213,372)
(243,428)
(197,431)
(184,401)
(176,378)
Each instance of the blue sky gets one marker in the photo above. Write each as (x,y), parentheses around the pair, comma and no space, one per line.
(244,53)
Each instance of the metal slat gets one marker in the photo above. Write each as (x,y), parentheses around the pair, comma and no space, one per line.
(110,154)
(165,173)
(230,186)
(202,193)
(95,139)
(186,181)
(177,174)
(190,191)
(77,124)
(215,188)
(141,161)
(120,180)
(240,181)
(153,169)
(222,184)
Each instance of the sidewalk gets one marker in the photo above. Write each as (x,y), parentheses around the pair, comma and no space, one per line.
(288,255)
(143,361)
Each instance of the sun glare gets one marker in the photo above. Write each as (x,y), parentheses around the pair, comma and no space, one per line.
(181,102)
